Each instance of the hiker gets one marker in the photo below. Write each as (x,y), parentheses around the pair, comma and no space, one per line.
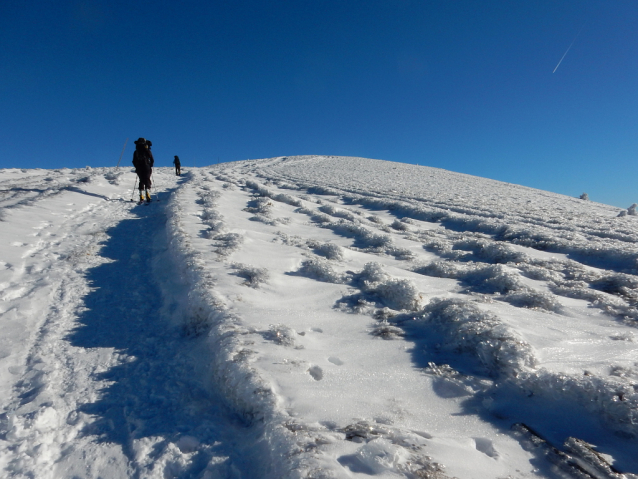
(143,162)
(177,165)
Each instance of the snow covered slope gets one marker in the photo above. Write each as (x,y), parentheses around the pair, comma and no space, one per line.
(320,317)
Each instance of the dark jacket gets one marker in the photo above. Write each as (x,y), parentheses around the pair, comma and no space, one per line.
(176,161)
(143,159)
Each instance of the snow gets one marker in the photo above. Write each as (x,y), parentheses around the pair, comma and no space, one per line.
(313,317)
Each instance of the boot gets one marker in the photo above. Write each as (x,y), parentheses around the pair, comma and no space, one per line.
(141,196)
(148,196)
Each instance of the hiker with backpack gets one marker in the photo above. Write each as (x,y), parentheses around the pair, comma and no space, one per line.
(143,162)
(177,165)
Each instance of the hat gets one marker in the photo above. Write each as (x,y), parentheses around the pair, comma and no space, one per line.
(149,143)
(140,141)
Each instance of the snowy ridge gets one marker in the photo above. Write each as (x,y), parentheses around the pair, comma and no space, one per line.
(203,312)
(557,223)
(314,317)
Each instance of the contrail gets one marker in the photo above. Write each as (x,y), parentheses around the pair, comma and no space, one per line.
(570,45)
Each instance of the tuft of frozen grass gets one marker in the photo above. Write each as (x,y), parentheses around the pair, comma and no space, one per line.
(399,226)
(281,334)
(479,278)
(364,238)
(214,221)
(259,205)
(469,329)
(373,273)
(337,212)
(619,284)
(227,243)
(253,276)
(439,269)
(321,270)
(450,383)
(385,330)
(289,200)
(613,399)
(540,273)
(270,221)
(265,192)
(210,216)
(389,452)
(491,279)
(475,249)
(532,299)
(495,279)
(397,294)
(323,190)
(442,248)
(490,251)
(287,186)
(611,305)
(330,251)
(320,218)
(401,253)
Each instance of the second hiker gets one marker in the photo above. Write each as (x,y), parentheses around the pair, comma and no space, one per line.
(177,165)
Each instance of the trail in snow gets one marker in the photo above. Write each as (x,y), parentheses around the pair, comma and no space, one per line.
(111,388)
(155,399)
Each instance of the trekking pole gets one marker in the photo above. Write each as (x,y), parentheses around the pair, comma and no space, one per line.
(153,185)
(133,192)
(118,161)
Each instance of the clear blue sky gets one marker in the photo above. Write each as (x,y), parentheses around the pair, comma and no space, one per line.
(465,85)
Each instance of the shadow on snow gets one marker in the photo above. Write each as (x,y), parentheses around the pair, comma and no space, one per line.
(504,405)
(153,390)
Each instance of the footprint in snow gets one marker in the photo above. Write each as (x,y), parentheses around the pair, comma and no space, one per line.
(335,360)
(316,372)
(485,446)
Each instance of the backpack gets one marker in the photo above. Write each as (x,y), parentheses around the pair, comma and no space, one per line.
(142,159)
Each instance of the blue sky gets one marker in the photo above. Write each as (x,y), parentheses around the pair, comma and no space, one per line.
(464,85)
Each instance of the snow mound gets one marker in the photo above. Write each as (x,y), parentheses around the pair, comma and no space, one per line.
(253,276)
(469,329)
(322,270)
(394,293)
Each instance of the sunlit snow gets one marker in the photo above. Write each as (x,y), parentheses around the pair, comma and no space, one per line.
(314,317)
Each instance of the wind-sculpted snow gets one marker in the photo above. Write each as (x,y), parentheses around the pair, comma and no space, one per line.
(253,276)
(550,222)
(314,317)
(487,236)
(322,270)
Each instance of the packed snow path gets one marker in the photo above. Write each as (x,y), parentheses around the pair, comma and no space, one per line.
(107,387)
(315,317)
